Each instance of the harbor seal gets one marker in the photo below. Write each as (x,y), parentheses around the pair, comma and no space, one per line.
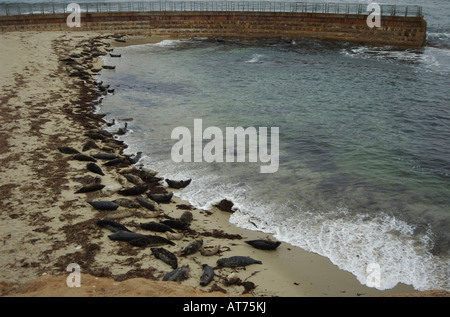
(94,168)
(89,145)
(178,184)
(176,224)
(104,156)
(178,274)
(209,251)
(207,275)
(166,256)
(192,247)
(114,226)
(187,217)
(126,236)
(115,161)
(237,260)
(264,244)
(83,157)
(127,203)
(148,203)
(68,150)
(160,198)
(90,188)
(156,226)
(136,158)
(133,191)
(134,179)
(150,240)
(103,205)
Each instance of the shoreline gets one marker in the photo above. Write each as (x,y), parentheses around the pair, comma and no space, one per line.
(61,224)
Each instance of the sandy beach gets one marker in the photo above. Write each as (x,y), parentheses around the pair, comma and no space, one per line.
(46,103)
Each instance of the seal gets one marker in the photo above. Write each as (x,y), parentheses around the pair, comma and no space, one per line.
(126,236)
(176,224)
(166,256)
(207,275)
(115,161)
(237,260)
(134,179)
(155,226)
(136,158)
(178,184)
(68,150)
(160,198)
(178,274)
(210,251)
(149,240)
(115,55)
(104,156)
(112,225)
(127,203)
(83,157)
(94,168)
(90,188)
(186,217)
(264,244)
(147,203)
(89,145)
(133,191)
(192,247)
(174,236)
(103,205)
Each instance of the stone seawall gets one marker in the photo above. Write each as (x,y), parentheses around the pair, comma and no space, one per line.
(408,32)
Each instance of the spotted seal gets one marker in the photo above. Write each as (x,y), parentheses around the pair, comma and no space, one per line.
(166,256)
(178,274)
(94,168)
(237,260)
(207,275)
(264,244)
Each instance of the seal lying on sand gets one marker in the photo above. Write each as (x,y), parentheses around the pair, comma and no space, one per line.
(155,226)
(112,225)
(176,224)
(237,260)
(103,205)
(166,256)
(83,157)
(133,191)
(160,198)
(104,156)
(179,274)
(68,150)
(126,236)
(192,247)
(264,244)
(90,188)
(207,275)
(149,240)
(94,168)
(147,203)
(127,203)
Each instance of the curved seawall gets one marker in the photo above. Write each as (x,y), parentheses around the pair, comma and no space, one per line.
(399,31)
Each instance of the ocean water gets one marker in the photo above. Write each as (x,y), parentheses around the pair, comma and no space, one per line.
(364,141)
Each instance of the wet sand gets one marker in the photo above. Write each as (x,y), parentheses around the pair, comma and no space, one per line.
(45,225)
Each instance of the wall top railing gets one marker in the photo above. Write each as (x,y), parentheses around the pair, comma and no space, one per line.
(198,6)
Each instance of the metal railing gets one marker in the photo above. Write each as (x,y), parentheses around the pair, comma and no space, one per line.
(221,6)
